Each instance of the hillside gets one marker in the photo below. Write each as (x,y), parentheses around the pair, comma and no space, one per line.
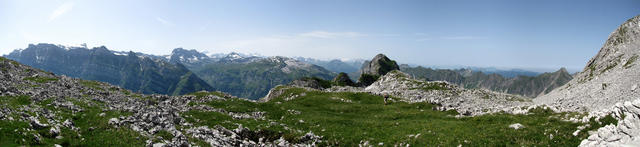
(608,85)
(529,86)
(610,77)
(132,71)
(40,108)
(244,75)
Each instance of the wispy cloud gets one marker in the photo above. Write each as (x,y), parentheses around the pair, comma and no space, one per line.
(164,21)
(324,34)
(62,9)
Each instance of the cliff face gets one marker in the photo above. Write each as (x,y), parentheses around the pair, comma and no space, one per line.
(610,77)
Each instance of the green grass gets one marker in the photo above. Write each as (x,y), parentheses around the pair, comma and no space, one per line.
(629,62)
(10,61)
(91,84)
(202,94)
(367,118)
(41,79)
(94,129)
(15,101)
(434,86)
(164,134)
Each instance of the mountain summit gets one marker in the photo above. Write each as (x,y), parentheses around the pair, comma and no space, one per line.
(379,65)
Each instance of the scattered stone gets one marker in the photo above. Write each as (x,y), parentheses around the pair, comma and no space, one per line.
(54,131)
(516,126)
(114,121)
(35,123)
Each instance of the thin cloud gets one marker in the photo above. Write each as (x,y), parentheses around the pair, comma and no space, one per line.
(164,22)
(328,35)
(62,9)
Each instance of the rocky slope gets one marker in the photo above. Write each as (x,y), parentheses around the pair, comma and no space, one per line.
(39,108)
(610,77)
(447,96)
(608,85)
(529,86)
(132,71)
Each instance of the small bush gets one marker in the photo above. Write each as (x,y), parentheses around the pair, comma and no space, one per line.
(367,79)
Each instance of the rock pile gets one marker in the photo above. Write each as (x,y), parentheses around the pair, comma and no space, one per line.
(447,96)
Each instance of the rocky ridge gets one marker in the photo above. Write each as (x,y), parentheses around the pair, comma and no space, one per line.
(610,77)
(608,85)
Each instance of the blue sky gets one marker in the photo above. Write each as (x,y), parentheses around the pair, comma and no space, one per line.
(543,34)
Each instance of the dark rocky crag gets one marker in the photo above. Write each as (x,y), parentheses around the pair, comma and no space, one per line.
(342,79)
(377,67)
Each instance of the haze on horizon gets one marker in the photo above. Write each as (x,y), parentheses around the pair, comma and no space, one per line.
(544,35)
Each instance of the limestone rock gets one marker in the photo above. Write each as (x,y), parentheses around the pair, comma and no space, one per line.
(607,79)
(516,126)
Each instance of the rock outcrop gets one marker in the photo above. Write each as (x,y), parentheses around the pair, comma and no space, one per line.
(342,79)
(372,70)
(379,66)
(612,76)
(625,133)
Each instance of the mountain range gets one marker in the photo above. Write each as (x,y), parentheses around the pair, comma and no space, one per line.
(250,76)
(529,86)
(131,70)
(397,105)
(183,71)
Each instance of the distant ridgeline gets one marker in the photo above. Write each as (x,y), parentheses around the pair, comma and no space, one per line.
(244,75)
(184,71)
(529,86)
(129,70)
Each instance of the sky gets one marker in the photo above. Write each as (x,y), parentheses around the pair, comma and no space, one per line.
(542,35)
